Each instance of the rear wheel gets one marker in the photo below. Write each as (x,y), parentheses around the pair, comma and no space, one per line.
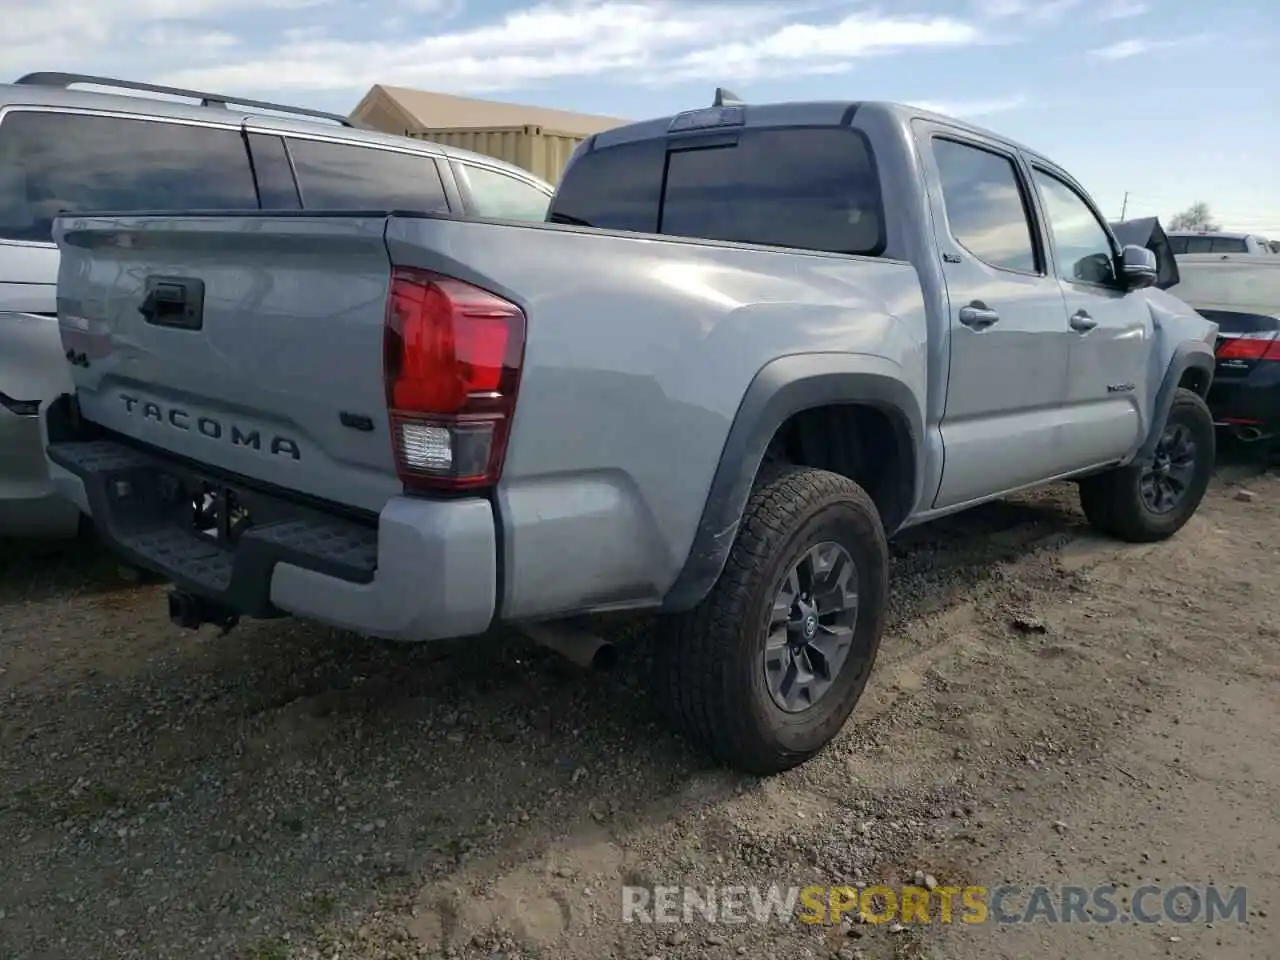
(765,671)
(1152,500)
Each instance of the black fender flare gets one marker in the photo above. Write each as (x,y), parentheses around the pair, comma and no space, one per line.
(1190,355)
(781,389)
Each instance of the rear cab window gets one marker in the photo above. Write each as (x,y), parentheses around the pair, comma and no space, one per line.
(54,163)
(799,187)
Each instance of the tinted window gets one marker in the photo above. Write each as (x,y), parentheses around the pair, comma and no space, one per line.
(1199,245)
(984,204)
(1081,246)
(335,176)
(503,197)
(617,188)
(813,189)
(1178,244)
(1229,245)
(276,188)
(808,189)
(53,163)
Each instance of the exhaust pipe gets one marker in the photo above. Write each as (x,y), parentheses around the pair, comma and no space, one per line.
(582,647)
(1249,434)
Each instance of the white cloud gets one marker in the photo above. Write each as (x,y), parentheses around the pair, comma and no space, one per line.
(820,48)
(972,108)
(632,41)
(1122,50)
(85,35)
(1031,11)
(1125,49)
(1121,10)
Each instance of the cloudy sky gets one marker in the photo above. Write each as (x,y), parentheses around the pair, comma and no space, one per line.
(1170,100)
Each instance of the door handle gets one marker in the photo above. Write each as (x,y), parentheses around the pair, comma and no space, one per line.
(1081,322)
(978,316)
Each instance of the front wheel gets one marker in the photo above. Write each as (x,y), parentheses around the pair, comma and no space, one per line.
(1152,500)
(765,671)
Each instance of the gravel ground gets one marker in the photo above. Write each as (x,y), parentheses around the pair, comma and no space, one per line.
(289,791)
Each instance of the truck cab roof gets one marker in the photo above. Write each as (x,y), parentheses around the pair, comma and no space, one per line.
(813,113)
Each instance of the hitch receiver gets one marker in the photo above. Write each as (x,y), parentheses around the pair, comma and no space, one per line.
(191,612)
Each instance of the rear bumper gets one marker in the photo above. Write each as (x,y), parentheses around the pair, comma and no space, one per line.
(425,570)
(1253,400)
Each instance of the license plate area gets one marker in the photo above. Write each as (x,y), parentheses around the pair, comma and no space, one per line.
(170,496)
(218,513)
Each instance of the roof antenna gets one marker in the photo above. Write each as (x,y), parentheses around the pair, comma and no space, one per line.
(725,98)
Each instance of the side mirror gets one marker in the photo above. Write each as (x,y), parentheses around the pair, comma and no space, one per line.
(1138,267)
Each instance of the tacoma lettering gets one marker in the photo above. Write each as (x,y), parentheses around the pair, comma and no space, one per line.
(210,427)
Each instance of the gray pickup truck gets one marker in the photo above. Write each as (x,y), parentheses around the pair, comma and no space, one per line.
(751,342)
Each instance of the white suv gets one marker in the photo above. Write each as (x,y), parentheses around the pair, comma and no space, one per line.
(64,150)
(1188,241)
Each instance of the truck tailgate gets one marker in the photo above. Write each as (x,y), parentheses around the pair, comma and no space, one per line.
(251,344)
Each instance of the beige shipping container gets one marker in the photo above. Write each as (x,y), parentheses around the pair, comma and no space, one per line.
(541,151)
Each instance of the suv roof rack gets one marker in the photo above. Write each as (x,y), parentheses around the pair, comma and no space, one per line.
(55,79)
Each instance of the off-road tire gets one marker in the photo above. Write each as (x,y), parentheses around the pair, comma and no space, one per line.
(709,661)
(1113,503)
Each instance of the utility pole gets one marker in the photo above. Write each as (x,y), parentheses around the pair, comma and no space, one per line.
(1124,206)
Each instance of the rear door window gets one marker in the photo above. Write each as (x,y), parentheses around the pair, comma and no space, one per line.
(986,208)
(501,196)
(338,176)
(54,163)
(1229,245)
(805,188)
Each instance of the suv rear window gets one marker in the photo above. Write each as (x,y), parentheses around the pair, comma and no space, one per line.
(1214,245)
(53,163)
(807,188)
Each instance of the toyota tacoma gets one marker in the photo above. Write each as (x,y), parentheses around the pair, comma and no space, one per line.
(749,344)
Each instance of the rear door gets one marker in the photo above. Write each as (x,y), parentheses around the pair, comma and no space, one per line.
(1109,329)
(1007,381)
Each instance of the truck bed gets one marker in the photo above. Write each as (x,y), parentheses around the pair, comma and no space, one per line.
(637,353)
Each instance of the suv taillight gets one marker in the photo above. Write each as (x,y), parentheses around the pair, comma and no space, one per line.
(452,357)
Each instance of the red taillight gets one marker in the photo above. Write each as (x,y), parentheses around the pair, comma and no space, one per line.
(1250,346)
(452,364)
